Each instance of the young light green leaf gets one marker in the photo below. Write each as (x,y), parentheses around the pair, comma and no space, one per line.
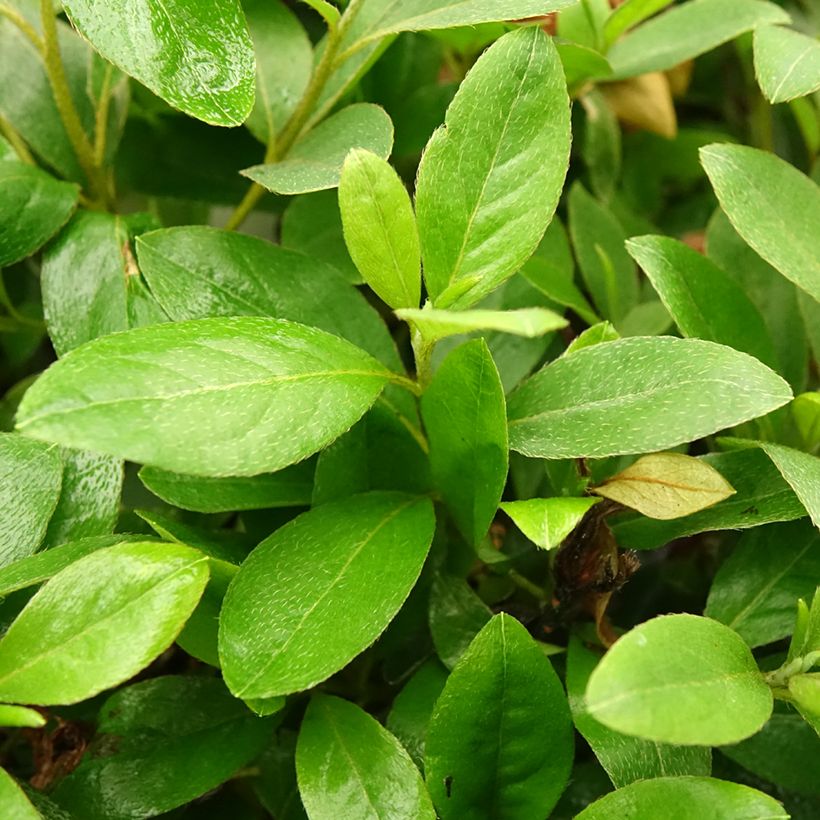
(99,622)
(196,272)
(805,690)
(625,758)
(628,14)
(350,766)
(772,205)
(305,602)
(483,206)
(597,334)
(197,57)
(315,161)
(499,743)
(33,207)
(13,801)
(205,397)
(680,679)
(666,485)
(638,395)
(20,716)
(470,468)
(186,718)
(548,521)
(787,63)
(687,31)
(802,472)
(291,487)
(685,798)
(380,228)
(456,615)
(284,62)
(438,324)
(30,479)
(704,301)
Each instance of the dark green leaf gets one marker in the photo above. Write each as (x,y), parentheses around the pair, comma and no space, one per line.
(456,616)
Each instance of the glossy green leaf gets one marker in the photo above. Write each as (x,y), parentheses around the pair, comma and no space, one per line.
(598,240)
(380,228)
(470,468)
(205,397)
(197,57)
(482,206)
(500,740)
(315,161)
(628,14)
(20,716)
(685,798)
(666,486)
(625,758)
(755,589)
(30,480)
(290,620)
(687,31)
(705,302)
(638,395)
(13,801)
(773,206)
(350,766)
(284,61)
(148,735)
(33,207)
(291,487)
(802,472)
(548,521)
(680,679)
(99,622)
(787,63)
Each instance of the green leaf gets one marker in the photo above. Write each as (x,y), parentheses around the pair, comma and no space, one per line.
(13,801)
(196,272)
(291,487)
(802,472)
(30,479)
(666,485)
(315,161)
(550,280)
(805,690)
(806,411)
(581,63)
(638,395)
(500,740)
(99,622)
(548,521)
(685,798)
(350,766)
(469,468)
(625,759)
(483,205)
(629,14)
(148,734)
(680,679)
(602,144)
(687,31)
(199,58)
(704,301)
(597,334)
(412,708)
(380,228)
(773,206)
(33,207)
(20,716)
(305,602)
(756,587)
(284,62)
(598,240)
(438,324)
(205,397)
(787,63)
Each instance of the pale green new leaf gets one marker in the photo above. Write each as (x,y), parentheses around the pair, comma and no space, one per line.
(438,324)
(196,56)
(99,622)
(214,397)
(787,63)
(774,207)
(548,521)
(20,716)
(680,679)
(483,205)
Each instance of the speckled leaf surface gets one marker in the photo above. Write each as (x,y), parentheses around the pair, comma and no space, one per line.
(638,395)
(196,56)
(99,622)
(205,397)
(802,472)
(787,63)
(483,205)
(348,765)
(320,590)
(499,743)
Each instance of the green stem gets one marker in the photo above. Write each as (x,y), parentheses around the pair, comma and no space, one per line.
(279,146)
(25,27)
(16,141)
(527,585)
(101,118)
(423,353)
